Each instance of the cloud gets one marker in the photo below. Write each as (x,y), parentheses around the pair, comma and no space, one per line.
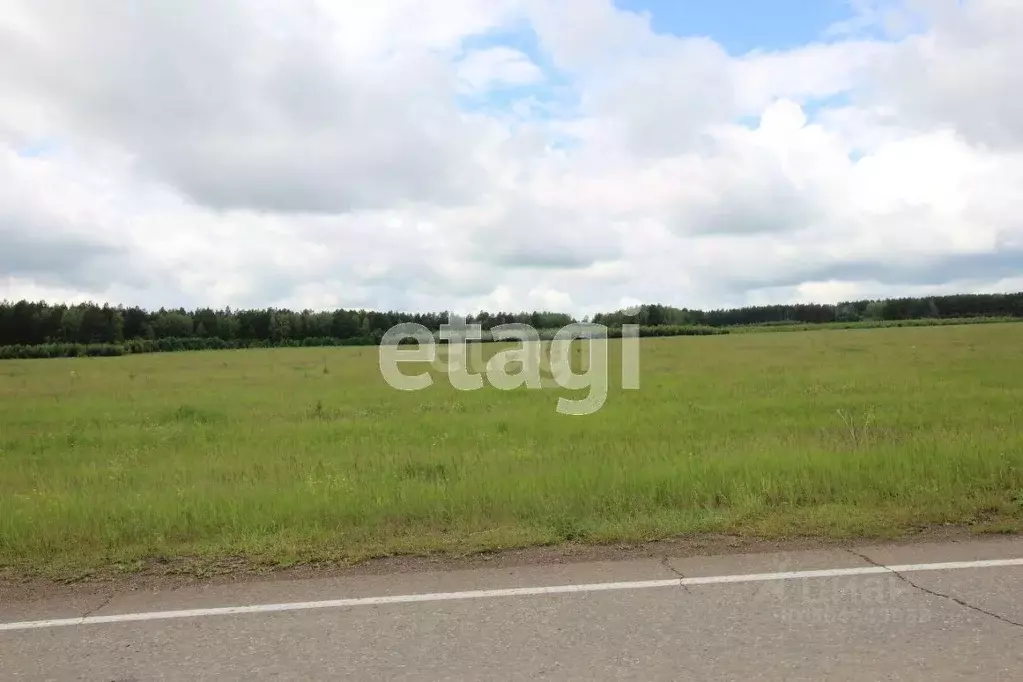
(960,72)
(58,229)
(319,154)
(240,106)
(70,261)
(493,67)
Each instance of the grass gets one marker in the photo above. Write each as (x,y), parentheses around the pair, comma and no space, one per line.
(290,455)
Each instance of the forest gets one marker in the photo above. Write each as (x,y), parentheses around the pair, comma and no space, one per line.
(40,329)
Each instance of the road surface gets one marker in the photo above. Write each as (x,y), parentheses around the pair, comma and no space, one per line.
(922,612)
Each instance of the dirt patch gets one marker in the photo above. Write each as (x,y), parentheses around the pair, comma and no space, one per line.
(170,575)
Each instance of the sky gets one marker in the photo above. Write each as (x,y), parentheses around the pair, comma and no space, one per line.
(466,155)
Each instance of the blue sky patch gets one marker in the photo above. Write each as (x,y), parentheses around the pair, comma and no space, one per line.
(552,98)
(741,26)
(554,91)
(36,148)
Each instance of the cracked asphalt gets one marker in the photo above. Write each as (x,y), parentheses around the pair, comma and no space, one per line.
(962,624)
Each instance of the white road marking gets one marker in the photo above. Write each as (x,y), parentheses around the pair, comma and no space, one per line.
(511,592)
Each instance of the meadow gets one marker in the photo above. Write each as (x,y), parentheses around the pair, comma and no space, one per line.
(287,455)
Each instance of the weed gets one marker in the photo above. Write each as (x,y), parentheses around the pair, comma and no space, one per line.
(857,431)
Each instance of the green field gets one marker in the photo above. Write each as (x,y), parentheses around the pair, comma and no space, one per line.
(288,455)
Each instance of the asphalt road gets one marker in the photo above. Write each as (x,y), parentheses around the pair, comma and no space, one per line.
(730,618)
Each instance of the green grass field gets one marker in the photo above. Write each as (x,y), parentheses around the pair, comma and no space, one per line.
(291,455)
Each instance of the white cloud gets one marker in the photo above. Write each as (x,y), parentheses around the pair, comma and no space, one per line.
(961,73)
(481,70)
(314,154)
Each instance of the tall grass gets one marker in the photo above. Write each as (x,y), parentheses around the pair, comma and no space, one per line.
(300,454)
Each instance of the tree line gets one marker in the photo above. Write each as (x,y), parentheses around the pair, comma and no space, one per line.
(954,306)
(34,323)
(40,329)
